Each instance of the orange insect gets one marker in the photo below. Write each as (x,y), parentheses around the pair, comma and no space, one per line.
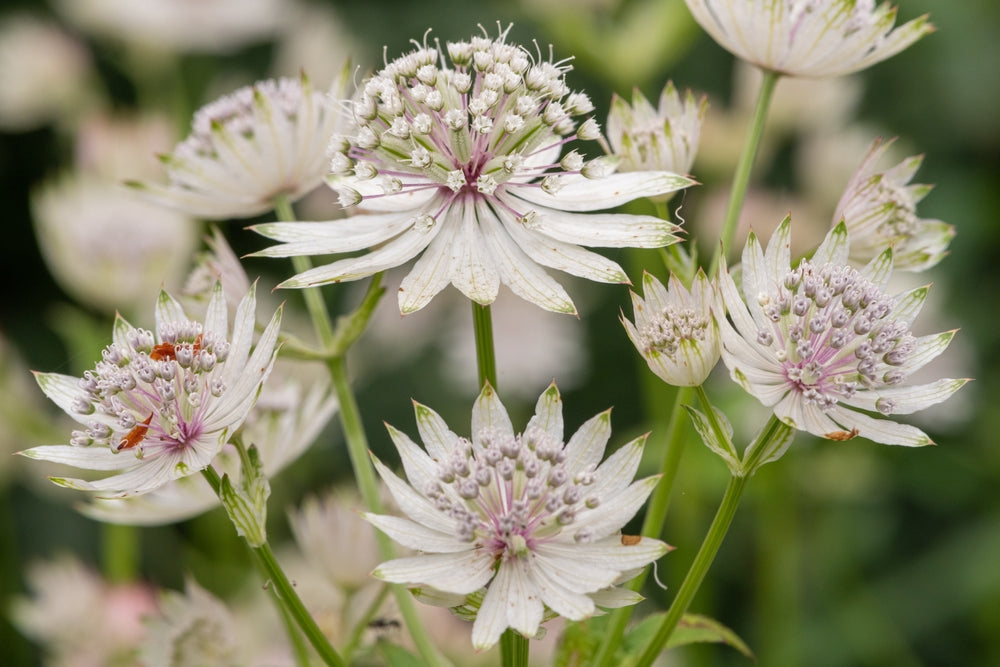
(163,351)
(841,436)
(136,435)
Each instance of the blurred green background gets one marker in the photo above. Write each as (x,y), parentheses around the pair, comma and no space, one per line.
(843,553)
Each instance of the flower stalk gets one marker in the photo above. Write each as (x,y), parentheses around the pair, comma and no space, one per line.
(741,178)
(284,590)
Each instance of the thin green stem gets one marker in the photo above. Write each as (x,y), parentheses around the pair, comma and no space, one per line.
(652,525)
(486,359)
(741,178)
(513,649)
(359,630)
(364,473)
(284,591)
(119,552)
(699,568)
(773,431)
(713,420)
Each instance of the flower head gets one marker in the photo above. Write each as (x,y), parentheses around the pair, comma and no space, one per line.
(880,210)
(533,520)
(647,138)
(823,344)
(674,330)
(160,407)
(456,156)
(808,38)
(249,147)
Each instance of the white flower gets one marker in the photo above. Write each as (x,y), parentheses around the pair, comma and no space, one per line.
(336,540)
(533,520)
(880,210)
(205,26)
(250,146)
(46,73)
(192,628)
(158,408)
(824,345)
(459,163)
(808,38)
(68,614)
(663,138)
(674,330)
(284,422)
(105,246)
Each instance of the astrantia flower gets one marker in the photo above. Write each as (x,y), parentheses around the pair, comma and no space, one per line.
(647,138)
(824,345)
(674,329)
(158,408)
(533,520)
(809,38)
(250,146)
(457,159)
(880,210)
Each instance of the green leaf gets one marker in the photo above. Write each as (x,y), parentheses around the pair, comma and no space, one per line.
(717,437)
(692,629)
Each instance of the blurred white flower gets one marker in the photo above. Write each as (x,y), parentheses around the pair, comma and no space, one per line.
(119,146)
(249,147)
(192,628)
(203,26)
(823,345)
(46,73)
(807,38)
(336,540)
(79,619)
(534,521)
(662,138)
(675,329)
(105,246)
(458,162)
(158,408)
(880,210)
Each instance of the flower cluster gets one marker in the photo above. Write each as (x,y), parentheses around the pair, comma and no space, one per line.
(460,161)
(160,407)
(808,38)
(249,147)
(880,210)
(823,344)
(675,330)
(533,519)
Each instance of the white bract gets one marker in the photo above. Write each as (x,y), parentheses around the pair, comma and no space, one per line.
(456,159)
(249,147)
(880,210)
(533,520)
(823,345)
(674,330)
(648,138)
(808,38)
(159,408)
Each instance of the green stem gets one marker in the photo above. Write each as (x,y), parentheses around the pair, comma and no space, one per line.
(652,525)
(486,359)
(119,552)
(284,591)
(741,178)
(772,431)
(713,421)
(357,441)
(699,568)
(359,630)
(513,649)
(364,473)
